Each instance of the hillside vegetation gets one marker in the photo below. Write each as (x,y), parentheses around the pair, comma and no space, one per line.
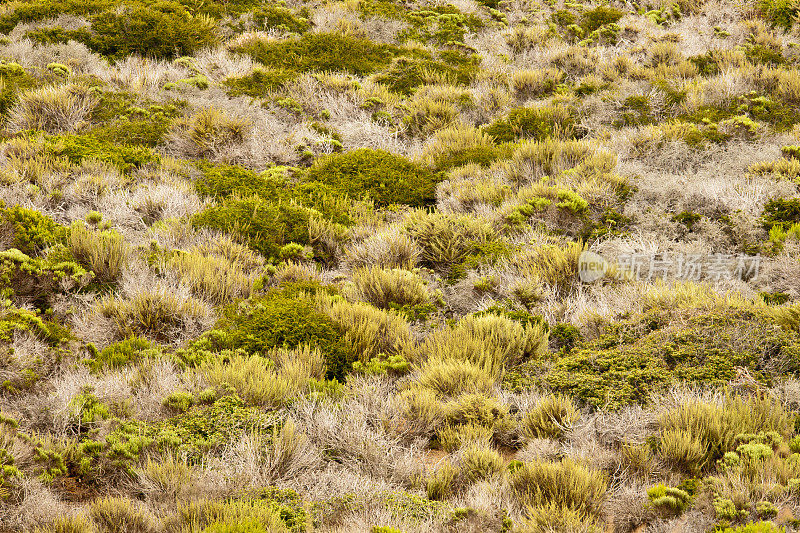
(319,266)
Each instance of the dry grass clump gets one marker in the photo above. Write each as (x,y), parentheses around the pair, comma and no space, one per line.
(388,248)
(103,252)
(368,331)
(208,134)
(384,288)
(696,433)
(565,486)
(252,377)
(118,514)
(159,311)
(446,239)
(451,377)
(53,109)
(491,342)
(213,278)
(551,264)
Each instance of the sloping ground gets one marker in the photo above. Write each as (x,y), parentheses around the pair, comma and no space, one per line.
(302,266)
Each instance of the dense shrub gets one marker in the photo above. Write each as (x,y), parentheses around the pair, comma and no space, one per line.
(223,181)
(264,225)
(644,355)
(375,174)
(77,148)
(28,230)
(118,354)
(281,18)
(163,30)
(407,73)
(323,52)
(282,318)
(780,211)
(259,83)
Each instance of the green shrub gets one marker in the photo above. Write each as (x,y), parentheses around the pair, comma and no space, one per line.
(781,211)
(321,52)
(119,354)
(406,73)
(376,174)
(179,400)
(37,10)
(283,319)
(13,81)
(223,181)
(278,17)
(594,19)
(264,225)
(162,30)
(127,120)
(781,13)
(643,355)
(77,148)
(28,230)
(259,83)
(669,501)
(34,281)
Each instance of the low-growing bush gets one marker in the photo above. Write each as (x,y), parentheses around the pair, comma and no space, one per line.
(380,176)
(321,52)
(283,319)
(28,230)
(263,224)
(162,30)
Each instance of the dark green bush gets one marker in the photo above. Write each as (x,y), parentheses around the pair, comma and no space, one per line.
(265,225)
(405,74)
(259,83)
(536,123)
(37,10)
(600,16)
(645,354)
(284,318)
(163,29)
(323,52)
(77,148)
(442,25)
(127,120)
(781,13)
(381,176)
(223,181)
(781,212)
(14,80)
